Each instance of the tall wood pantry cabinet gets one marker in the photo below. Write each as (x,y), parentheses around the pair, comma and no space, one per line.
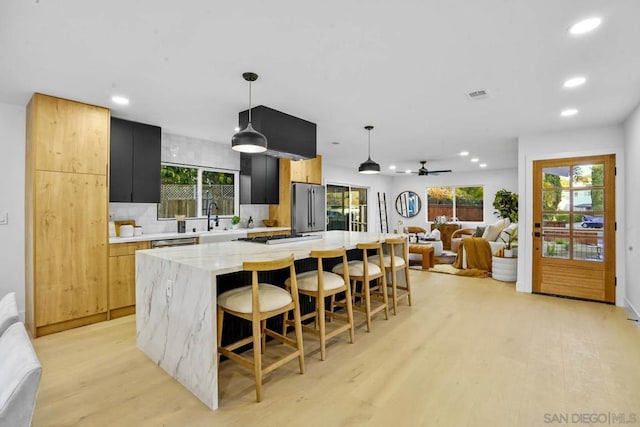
(66,214)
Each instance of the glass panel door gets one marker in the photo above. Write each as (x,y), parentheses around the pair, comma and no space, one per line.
(574,227)
(346,208)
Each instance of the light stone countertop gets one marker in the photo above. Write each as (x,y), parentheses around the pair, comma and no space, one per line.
(169,236)
(227,257)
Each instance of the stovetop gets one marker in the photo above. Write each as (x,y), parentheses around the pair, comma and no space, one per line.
(286,238)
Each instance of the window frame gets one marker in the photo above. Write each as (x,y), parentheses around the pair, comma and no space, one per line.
(454,204)
(200,170)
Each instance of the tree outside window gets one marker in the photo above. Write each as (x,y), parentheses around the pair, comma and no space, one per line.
(187,190)
(464,203)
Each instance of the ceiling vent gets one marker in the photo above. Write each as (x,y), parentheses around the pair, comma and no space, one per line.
(477,95)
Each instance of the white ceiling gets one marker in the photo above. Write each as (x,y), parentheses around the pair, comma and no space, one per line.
(402,66)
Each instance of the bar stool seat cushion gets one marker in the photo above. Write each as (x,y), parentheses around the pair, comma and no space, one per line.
(356,268)
(240,299)
(387,260)
(308,281)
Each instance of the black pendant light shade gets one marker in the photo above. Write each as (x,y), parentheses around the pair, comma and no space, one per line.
(369,166)
(249,140)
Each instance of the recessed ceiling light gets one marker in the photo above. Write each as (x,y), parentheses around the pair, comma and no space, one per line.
(574,82)
(475,160)
(464,153)
(585,26)
(483,165)
(121,100)
(569,112)
(237,129)
(392,167)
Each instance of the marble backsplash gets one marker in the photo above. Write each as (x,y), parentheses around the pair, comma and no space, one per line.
(146,215)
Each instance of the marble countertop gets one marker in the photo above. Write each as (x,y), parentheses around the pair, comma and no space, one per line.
(227,257)
(169,236)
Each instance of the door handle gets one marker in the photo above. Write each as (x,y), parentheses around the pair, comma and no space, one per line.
(536,234)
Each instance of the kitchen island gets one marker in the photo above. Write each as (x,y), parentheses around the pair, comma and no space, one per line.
(176,292)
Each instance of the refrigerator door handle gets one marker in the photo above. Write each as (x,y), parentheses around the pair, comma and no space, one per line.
(309,205)
(313,207)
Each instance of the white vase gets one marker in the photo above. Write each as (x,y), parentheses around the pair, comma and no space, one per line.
(508,253)
(235,226)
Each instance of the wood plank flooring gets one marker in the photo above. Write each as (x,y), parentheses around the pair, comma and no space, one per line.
(470,352)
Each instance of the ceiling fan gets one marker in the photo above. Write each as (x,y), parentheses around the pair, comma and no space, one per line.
(423,171)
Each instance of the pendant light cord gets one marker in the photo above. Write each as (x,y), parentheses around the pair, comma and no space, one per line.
(249,102)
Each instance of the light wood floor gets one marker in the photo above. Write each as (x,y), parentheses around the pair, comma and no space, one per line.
(470,352)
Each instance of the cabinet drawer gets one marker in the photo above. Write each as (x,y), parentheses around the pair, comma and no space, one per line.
(120,249)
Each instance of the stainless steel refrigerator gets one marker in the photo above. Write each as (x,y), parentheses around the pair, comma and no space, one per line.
(307,208)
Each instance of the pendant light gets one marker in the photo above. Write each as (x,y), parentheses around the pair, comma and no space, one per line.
(249,140)
(369,166)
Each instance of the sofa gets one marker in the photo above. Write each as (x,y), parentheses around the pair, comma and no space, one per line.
(497,234)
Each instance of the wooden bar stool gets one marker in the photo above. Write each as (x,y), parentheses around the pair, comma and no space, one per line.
(396,261)
(320,284)
(257,303)
(365,272)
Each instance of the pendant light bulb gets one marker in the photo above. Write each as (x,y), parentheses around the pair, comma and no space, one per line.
(369,167)
(249,140)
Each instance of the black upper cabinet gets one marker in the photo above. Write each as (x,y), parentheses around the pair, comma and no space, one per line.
(259,179)
(135,162)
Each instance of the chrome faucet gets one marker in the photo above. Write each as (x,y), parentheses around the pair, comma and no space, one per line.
(215,205)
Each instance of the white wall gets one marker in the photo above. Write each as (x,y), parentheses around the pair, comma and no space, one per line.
(491,180)
(585,142)
(12,161)
(375,183)
(632,229)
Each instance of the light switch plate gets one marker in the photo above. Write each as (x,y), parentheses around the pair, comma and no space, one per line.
(4,218)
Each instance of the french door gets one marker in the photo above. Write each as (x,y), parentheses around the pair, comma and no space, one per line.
(574,227)
(346,208)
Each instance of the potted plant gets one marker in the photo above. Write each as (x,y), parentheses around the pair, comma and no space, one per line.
(235,221)
(510,242)
(506,203)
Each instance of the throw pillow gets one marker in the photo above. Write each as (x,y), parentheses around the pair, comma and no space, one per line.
(492,232)
(479,232)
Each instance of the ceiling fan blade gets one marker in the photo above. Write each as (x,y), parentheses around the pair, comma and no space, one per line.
(440,171)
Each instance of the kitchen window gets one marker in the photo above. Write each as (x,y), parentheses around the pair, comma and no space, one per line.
(463,203)
(189,190)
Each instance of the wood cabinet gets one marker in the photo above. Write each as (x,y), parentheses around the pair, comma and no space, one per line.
(446,230)
(122,278)
(135,162)
(66,214)
(309,171)
(294,171)
(259,179)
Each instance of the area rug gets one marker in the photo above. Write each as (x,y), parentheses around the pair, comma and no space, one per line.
(450,269)
(445,258)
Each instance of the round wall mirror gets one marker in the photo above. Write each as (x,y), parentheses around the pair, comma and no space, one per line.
(408,204)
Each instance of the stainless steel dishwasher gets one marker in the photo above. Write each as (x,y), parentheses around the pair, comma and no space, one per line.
(165,243)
